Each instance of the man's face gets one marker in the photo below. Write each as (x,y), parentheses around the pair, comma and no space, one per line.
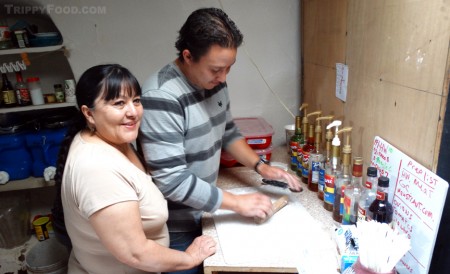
(212,68)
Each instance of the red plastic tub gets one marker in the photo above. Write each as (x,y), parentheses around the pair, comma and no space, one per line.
(226,160)
(256,131)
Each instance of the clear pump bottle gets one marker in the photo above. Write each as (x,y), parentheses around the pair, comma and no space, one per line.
(353,193)
(332,168)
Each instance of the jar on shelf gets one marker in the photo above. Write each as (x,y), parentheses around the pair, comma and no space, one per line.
(34,86)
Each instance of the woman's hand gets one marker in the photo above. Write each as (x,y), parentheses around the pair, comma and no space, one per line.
(201,248)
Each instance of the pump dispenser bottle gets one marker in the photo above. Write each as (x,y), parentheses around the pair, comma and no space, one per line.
(297,140)
(343,179)
(300,145)
(316,157)
(307,149)
(353,194)
(332,168)
(327,160)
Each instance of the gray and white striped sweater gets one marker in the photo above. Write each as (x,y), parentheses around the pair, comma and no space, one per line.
(182,133)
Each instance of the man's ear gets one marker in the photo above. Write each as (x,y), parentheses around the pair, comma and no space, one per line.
(187,56)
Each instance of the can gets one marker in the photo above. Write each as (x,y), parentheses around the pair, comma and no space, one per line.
(59,93)
(21,38)
(69,90)
(41,227)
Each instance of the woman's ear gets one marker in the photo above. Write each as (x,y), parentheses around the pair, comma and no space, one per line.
(87,112)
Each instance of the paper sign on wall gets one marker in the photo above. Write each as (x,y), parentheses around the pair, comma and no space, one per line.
(341,81)
(418,197)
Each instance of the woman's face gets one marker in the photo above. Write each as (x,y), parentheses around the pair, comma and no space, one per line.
(117,121)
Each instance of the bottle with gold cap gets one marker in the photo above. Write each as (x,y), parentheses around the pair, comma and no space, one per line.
(295,141)
(353,193)
(326,161)
(316,157)
(307,148)
(304,131)
(332,168)
(343,180)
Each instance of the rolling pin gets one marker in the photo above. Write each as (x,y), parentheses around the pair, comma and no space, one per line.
(276,206)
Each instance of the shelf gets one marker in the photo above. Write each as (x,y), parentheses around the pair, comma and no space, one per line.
(30,50)
(44,106)
(29,183)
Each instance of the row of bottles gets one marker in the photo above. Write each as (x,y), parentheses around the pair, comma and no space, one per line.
(338,181)
(25,94)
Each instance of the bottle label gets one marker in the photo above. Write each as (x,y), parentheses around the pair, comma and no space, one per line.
(293,146)
(315,169)
(381,195)
(368,185)
(361,214)
(329,189)
(321,179)
(23,96)
(9,97)
(305,163)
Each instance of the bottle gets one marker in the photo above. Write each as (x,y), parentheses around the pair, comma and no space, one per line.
(316,157)
(295,141)
(381,209)
(326,162)
(8,94)
(5,34)
(332,168)
(342,181)
(353,194)
(299,167)
(22,92)
(59,93)
(307,148)
(368,194)
(34,86)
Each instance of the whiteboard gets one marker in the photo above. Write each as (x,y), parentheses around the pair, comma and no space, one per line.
(418,197)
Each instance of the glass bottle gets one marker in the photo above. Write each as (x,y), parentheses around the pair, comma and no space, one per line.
(59,93)
(306,151)
(332,170)
(326,161)
(381,209)
(5,34)
(368,194)
(352,194)
(8,94)
(22,92)
(341,183)
(295,141)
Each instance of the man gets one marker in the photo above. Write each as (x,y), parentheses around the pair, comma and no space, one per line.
(186,123)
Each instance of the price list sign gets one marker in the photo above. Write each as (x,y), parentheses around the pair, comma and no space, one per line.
(417,196)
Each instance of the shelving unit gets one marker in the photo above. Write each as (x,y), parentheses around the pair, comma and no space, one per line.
(29,183)
(30,50)
(38,107)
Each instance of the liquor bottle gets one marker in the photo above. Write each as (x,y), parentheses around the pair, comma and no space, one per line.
(343,180)
(295,141)
(368,194)
(326,162)
(8,94)
(307,148)
(353,193)
(316,157)
(22,93)
(332,168)
(381,209)
(304,130)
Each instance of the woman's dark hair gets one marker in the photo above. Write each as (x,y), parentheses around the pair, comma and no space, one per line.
(102,81)
(204,28)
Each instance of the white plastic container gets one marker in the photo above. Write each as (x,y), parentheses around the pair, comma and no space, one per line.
(34,86)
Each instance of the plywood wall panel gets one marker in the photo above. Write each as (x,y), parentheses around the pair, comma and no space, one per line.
(397,54)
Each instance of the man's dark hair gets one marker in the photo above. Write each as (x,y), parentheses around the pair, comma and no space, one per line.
(204,28)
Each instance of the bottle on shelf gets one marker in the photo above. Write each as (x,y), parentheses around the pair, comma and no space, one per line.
(34,86)
(22,92)
(294,142)
(327,160)
(332,168)
(368,194)
(8,94)
(307,148)
(5,34)
(316,157)
(343,180)
(353,194)
(59,93)
(381,209)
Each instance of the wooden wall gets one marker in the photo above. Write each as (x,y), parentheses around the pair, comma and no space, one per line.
(397,53)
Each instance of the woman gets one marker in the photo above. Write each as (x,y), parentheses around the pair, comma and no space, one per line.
(114,214)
